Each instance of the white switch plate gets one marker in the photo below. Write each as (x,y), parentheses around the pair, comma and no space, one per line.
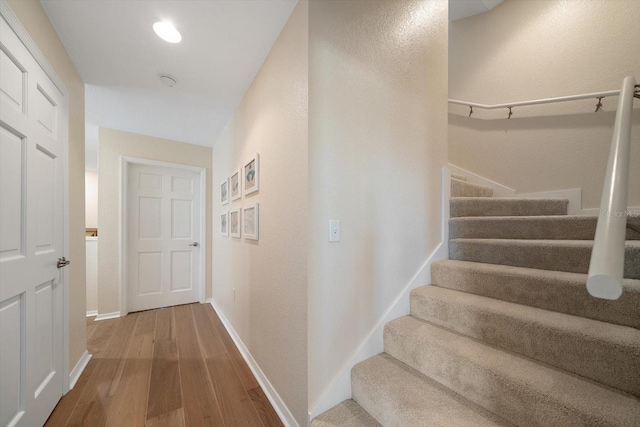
(334,230)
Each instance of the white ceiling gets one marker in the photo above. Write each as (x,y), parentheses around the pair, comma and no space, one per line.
(159,113)
(119,57)
(115,50)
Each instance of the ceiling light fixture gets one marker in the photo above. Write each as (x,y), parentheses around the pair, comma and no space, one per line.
(167,32)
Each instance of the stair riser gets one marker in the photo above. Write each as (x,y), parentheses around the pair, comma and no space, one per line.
(506,207)
(571,258)
(468,189)
(555,291)
(560,228)
(596,356)
(519,390)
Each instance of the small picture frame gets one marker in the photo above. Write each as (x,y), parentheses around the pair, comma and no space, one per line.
(251,221)
(235,185)
(224,192)
(224,223)
(251,175)
(234,223)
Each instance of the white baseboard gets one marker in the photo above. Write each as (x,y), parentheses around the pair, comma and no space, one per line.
(574,196)
(77,370)
(106,316)
(499,190)
(91,313)
(446,208)
(276,401)
(575,202)
(339,388)
(632,211)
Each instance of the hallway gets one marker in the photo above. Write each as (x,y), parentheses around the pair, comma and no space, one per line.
(176,366)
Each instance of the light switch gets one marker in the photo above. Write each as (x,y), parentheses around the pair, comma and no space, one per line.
(334,230)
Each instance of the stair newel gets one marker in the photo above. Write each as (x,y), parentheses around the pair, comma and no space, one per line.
(607,259)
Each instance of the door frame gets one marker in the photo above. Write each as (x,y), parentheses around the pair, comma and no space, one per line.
(34,50)
(125,164)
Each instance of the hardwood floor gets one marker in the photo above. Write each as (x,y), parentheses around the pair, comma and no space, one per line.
(172,367)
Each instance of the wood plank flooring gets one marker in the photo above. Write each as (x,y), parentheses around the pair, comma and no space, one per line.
(172,367)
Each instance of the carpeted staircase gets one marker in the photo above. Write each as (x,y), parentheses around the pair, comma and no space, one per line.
(507,335)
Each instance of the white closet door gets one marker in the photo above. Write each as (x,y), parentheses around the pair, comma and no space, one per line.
(33,116)
(163,237)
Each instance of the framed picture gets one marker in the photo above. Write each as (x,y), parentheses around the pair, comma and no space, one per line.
(235,186)
(251,175)
(251,217)
(234,223)
(224,192)
(224,223)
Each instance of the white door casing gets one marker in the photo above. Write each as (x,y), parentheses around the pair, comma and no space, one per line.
(164,235)
(33,232)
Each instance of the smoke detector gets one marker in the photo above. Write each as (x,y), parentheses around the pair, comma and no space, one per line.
(168,80)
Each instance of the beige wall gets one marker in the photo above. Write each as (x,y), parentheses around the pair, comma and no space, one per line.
(269,276)
(537,49)
(377,144)
(91,199)
(36,22)
(112,145)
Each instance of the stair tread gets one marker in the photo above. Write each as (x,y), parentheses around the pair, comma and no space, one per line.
(563,255)
(514,199)
(555,227)
(465,188)
(551,290)
(515,270)
(542,242)
(398,395)
(563,243)
(527,218)
(572,343)
(631,222)
(503,206)
(502,381)
(345,414)
(470,184)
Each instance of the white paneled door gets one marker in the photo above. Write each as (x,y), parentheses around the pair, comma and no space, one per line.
(33,121)
(164,248)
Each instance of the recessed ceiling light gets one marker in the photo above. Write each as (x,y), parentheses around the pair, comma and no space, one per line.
(167,32)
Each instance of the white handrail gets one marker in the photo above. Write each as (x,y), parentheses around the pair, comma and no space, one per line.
(607,258)
(594,95)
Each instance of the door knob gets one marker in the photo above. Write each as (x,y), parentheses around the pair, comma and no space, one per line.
(195,244)
(63,262)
